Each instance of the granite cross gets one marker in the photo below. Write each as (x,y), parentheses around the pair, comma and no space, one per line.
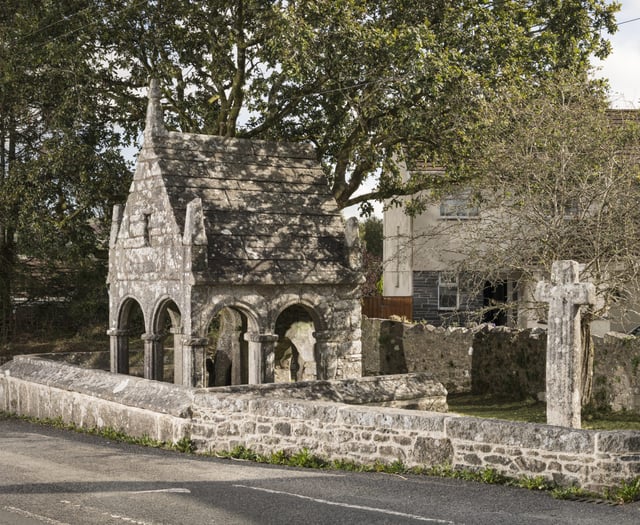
(564,354)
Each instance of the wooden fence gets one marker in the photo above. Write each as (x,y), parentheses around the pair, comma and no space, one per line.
(379,307)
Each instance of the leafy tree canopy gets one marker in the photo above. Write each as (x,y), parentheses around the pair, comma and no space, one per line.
(365,81)
(61,167)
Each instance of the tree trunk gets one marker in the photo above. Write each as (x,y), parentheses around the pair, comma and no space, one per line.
(6,270)
(586,379)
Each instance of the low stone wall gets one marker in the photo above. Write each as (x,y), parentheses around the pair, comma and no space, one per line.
(497,360)
(508,362)
(616,372)
(221,420)
(393,347)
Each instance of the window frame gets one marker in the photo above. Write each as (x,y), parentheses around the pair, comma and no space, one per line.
(451,283)
(458,206)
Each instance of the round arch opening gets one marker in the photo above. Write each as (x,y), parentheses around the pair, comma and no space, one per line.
(227,353)
(296,355)
(131,323)
(166,343)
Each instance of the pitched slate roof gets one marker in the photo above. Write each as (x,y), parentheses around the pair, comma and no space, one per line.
(269,214)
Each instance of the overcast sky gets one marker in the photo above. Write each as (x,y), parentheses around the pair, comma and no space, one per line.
(622,68)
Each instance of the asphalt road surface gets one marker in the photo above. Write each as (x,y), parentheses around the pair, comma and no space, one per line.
(58,477)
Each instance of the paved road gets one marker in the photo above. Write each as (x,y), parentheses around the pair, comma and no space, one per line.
(62,478)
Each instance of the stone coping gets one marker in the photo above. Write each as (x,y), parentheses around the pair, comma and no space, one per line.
(128,390)
(360,391)
(168,398)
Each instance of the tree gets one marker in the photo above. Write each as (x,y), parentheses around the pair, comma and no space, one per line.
(364,81)
(557,178)
(60,165)
(371,234)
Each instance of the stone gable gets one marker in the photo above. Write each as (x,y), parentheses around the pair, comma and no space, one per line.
(215,223)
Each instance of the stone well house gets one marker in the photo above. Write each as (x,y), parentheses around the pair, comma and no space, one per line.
(420,252)
(242,236)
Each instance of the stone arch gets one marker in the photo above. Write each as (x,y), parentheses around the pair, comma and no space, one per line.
(166,334)
(126,338)
(229,359)
(127,306)
(296,354)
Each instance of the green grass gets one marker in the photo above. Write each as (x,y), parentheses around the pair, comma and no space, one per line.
(533,411)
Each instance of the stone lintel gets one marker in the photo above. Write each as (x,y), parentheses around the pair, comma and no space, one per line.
(253,337)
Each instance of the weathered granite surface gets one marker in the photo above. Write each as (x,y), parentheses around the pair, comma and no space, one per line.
(213,224)
(218,421)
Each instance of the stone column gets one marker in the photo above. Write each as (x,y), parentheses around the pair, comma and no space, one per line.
(327,349)
(177,355)
(119,351)
(153,356)
(564,349)
(261,357)
(194,367)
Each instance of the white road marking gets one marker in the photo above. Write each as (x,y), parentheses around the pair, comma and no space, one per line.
(173,491)
(89,508)
(127,520)
(31,515)
(348,505)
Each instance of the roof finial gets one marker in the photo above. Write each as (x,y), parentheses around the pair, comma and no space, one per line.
(154,124)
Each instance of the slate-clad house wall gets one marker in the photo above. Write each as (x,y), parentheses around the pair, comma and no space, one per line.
(246,229)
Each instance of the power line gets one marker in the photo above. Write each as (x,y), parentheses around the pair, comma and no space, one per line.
(627,21)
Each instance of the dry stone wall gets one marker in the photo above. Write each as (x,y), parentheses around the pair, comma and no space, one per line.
(509,362)
(497,360)
(221,420)
(616,374)
(393,347)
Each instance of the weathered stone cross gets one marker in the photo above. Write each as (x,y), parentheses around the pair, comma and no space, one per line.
(564,356)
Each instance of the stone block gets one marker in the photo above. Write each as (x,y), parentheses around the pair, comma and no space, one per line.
(618,442)
(521,435)
(404,441)
(430,451)
(388,452)
(496,459)
(282,428)
(471,459)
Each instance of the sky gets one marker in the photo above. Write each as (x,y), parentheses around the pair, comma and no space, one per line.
(622,67)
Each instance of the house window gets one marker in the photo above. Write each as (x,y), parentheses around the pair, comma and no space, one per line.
(447,291)
(458,206)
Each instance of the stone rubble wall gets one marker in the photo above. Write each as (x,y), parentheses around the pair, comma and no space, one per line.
(394,347)
(220,421)
(616,372)
(497,360)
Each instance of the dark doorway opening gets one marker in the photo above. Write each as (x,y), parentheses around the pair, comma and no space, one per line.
(494,295)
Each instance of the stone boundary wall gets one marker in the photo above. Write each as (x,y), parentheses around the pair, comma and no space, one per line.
(394,347)
(489,359)
(218,421)
(616,372)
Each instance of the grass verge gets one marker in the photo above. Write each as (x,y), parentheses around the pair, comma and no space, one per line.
(533,411)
